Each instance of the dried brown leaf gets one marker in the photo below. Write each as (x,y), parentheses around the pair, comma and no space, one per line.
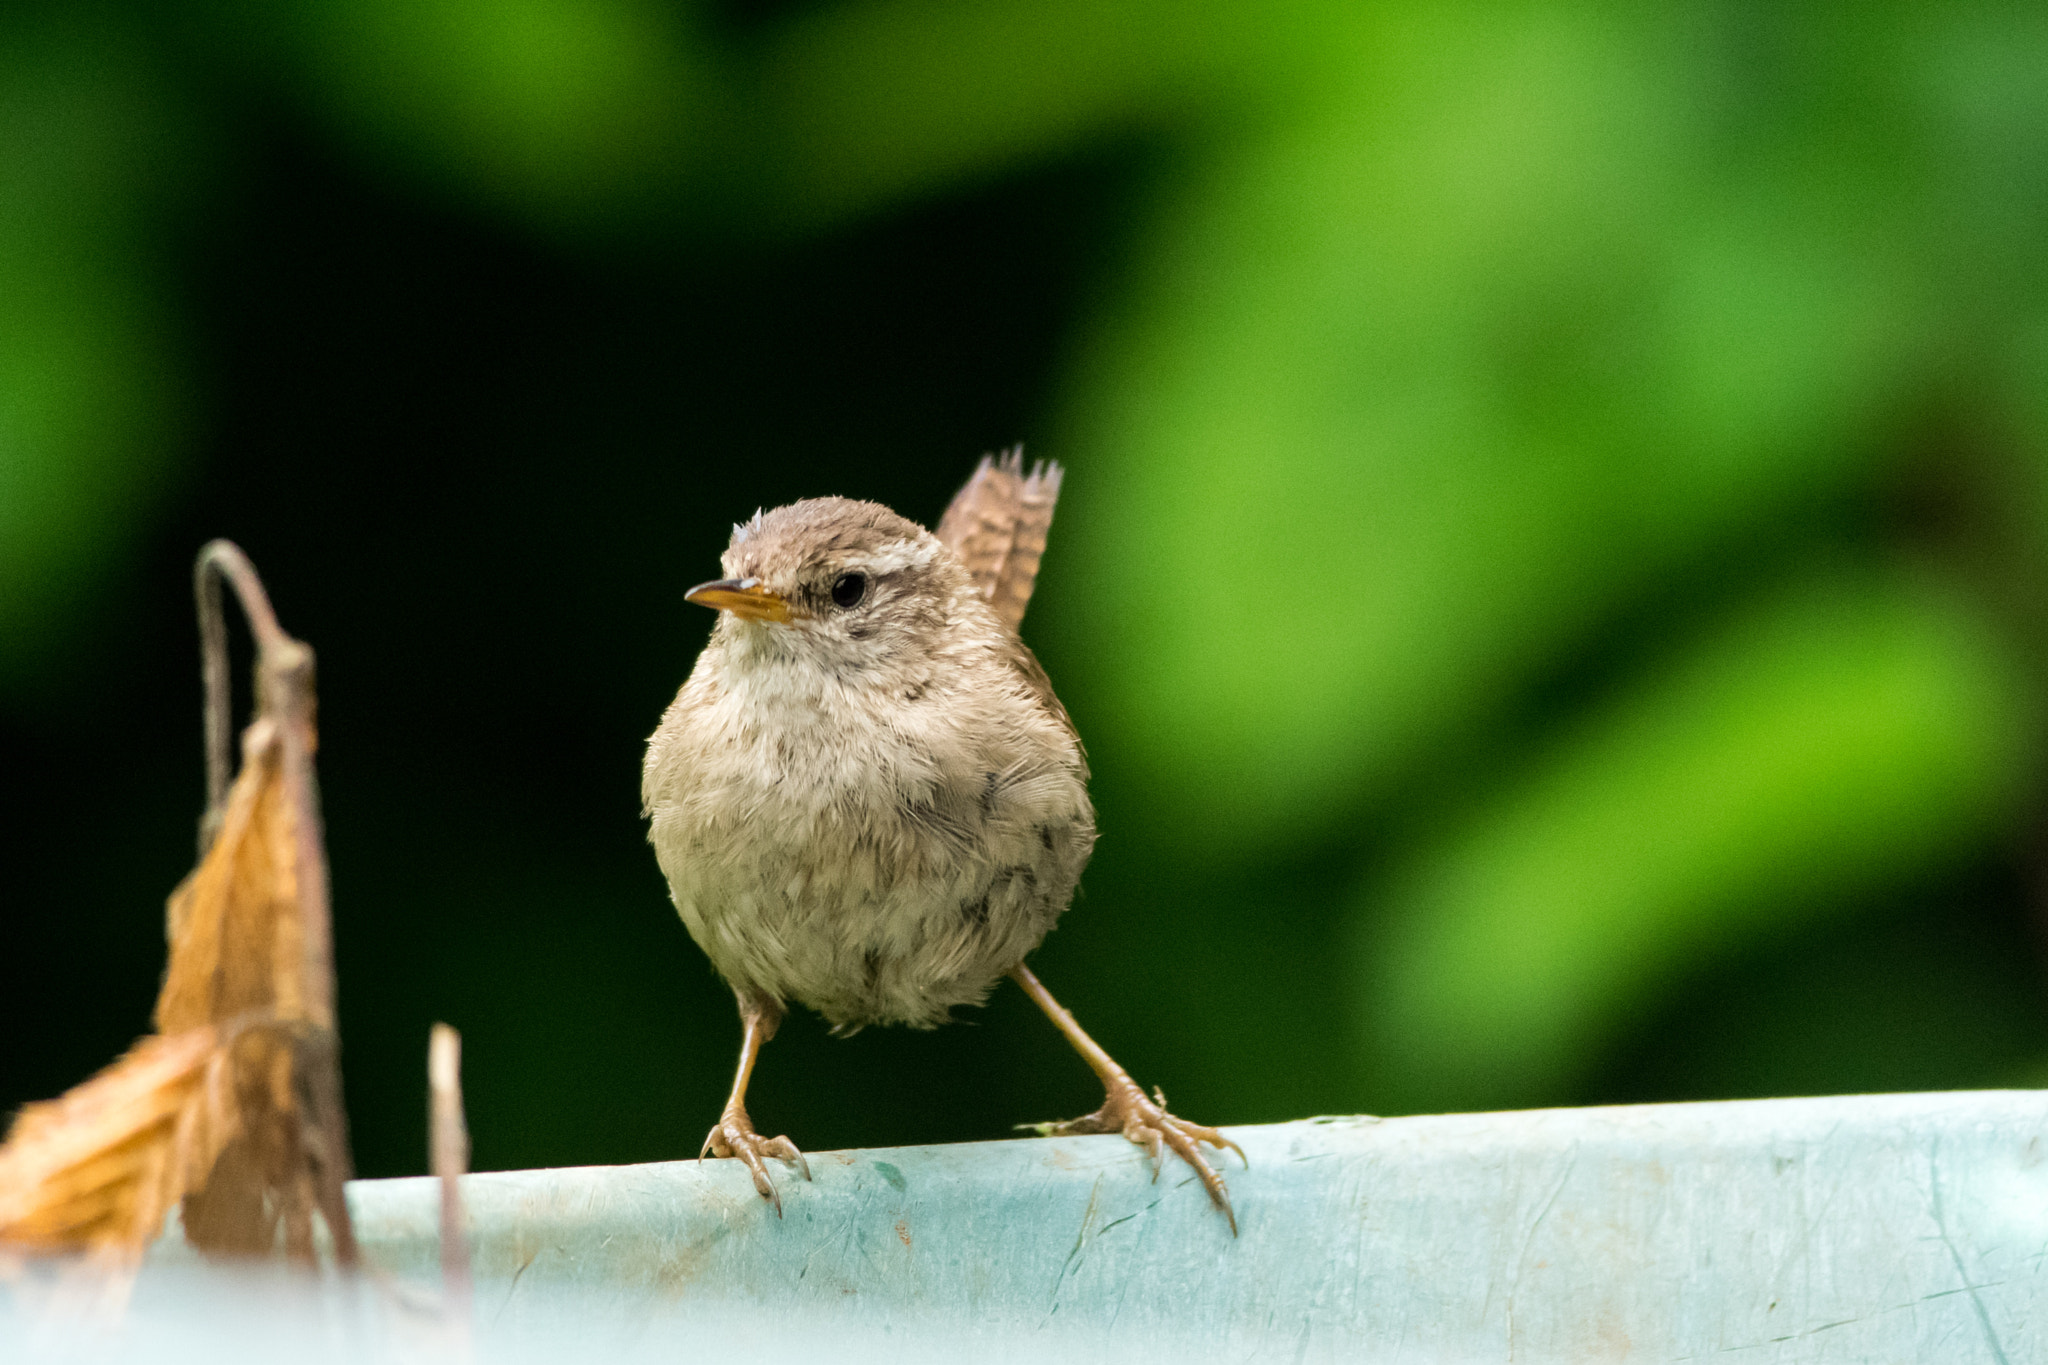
(237,949)
(99,1168)
(235,1106)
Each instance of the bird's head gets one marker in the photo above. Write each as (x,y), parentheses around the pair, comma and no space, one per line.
(843,585)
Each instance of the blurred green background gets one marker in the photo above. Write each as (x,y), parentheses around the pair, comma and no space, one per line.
(1551,572)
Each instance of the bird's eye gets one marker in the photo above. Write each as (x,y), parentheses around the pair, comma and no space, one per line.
(849,588)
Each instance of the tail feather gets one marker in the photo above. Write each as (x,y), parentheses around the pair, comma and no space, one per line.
(997,525)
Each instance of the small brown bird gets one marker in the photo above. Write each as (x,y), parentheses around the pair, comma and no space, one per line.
(866,797)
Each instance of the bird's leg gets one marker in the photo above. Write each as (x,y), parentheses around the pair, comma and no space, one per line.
(1125,1108)
(733,1134)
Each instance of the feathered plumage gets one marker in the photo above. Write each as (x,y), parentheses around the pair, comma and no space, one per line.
(996,527)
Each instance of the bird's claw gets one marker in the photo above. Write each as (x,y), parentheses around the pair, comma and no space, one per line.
(1146,1122)
(734,1135)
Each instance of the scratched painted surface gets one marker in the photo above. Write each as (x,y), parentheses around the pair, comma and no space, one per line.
(1881,1228)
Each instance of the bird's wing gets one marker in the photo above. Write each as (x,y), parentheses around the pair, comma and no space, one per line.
(997,524)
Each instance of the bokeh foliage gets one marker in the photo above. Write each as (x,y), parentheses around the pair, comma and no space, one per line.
(1549,577)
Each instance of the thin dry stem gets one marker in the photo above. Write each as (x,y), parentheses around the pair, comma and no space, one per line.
(449,1140)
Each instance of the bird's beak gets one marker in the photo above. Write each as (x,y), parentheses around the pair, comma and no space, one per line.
(742,597)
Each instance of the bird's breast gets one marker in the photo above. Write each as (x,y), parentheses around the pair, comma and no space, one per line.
(880,862)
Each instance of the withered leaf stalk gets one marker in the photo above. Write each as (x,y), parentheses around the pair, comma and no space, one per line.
(233,1106)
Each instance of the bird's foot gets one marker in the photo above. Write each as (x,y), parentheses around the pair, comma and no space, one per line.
(1125,1109)
(734,1135)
